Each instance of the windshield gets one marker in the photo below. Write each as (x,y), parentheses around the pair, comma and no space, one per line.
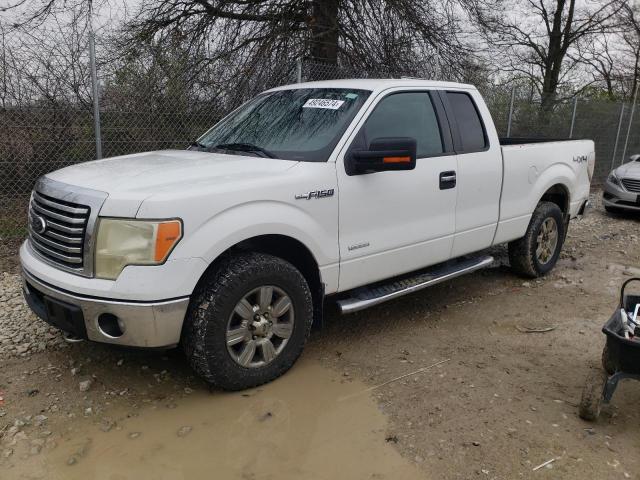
(300,124)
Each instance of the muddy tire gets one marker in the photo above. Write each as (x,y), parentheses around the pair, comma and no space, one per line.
(591,401)
(607,363)
(535,254)
(251,301)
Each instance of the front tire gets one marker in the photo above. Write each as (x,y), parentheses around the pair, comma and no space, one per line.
(248,321)
(535,254)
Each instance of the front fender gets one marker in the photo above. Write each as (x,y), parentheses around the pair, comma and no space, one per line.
(251,219)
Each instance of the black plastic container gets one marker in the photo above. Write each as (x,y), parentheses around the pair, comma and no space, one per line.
(620,360)
(622,354)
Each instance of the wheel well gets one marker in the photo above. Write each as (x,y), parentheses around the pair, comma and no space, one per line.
(291,250)
(287,248)
(559,195)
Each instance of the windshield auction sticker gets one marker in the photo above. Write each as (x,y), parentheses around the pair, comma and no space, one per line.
(323,103)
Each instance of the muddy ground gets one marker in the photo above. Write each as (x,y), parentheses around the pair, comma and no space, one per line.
(498,403)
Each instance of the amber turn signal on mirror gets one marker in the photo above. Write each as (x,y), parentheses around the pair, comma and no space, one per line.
(396,159)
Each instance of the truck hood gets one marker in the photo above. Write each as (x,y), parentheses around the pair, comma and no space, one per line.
(629,170)
(143,174)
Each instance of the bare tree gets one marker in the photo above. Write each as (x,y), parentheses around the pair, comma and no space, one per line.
(392,36)
(631,47)
(45,65)
(602,58)
(534,38)
(613,58)
(20,13)
(361,32)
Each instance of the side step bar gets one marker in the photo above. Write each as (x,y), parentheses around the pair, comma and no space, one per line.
(369,296)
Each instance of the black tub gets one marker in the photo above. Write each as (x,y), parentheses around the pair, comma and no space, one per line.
(620,360)
(621,354)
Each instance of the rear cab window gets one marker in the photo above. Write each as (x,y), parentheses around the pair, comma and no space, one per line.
(471,129)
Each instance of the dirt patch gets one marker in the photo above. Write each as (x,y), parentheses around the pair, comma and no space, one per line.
(9,262)
(503,402)
(273,432)
(507,400)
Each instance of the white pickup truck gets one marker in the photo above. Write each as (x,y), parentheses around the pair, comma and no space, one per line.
(369,189)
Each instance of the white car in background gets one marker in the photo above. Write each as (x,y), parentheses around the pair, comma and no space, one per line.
(622,188)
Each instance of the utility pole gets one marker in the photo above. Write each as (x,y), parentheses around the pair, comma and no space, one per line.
(94,83)
(615,145)
(573,116)
(633,109)
(513,97)
(299,70)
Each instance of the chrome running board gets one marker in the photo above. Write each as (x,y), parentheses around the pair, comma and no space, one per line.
(366,297)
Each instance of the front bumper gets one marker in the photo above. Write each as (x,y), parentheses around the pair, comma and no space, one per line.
(617,197)
(140,324)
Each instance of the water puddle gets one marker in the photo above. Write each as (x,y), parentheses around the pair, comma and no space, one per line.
(310,424)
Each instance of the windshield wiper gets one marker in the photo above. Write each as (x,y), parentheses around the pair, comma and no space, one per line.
(198,144)
(245,147)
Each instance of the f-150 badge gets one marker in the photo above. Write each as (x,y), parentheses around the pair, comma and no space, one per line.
(315,194)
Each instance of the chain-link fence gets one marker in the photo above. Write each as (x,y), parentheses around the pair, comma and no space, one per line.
(142,109)
(611,125)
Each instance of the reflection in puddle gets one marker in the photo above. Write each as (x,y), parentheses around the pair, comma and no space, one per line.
(295,427)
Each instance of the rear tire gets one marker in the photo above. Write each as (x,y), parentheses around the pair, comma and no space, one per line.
(228,325)
(591,401)
(535,254)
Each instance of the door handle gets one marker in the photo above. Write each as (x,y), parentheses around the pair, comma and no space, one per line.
(447,180)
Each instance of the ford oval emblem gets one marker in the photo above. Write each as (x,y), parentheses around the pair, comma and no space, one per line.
(38,224)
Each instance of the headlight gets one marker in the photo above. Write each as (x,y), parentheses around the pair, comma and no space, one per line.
(133,242)
(613,179)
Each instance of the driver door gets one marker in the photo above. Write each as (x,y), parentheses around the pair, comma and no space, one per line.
(394,222)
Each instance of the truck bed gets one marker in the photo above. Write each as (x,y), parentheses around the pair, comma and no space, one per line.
(524,140)
(530,168)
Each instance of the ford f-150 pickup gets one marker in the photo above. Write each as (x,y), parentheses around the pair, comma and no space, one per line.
(364,190)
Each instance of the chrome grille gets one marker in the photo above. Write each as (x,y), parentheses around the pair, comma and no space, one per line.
(57,230)
(631,184)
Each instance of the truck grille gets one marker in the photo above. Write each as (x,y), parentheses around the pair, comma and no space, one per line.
(57,230)
(631,184)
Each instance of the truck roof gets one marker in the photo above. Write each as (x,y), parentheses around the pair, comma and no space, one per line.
(375,84)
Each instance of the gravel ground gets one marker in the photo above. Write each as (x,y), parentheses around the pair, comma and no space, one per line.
(21,332)
(501,403)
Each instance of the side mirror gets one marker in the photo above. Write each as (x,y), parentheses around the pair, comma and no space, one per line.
(635,158)
(384,154)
